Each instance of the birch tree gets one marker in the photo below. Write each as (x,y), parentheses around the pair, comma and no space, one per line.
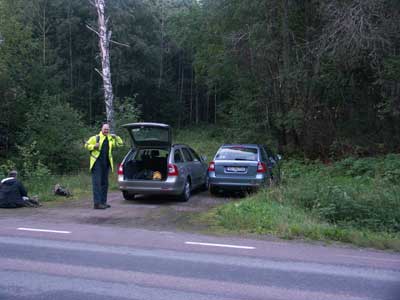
(104,35)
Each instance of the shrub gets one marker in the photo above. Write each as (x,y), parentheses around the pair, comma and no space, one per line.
(362,193)
(58,132)
(6,167)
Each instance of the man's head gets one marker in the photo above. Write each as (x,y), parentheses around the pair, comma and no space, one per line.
(13,173)
(105,129)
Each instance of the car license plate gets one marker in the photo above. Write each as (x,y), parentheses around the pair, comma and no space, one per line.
(235,169)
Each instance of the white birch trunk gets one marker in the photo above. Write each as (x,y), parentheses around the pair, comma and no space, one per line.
(104,45)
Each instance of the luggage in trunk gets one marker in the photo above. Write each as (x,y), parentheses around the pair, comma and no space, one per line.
(147,164)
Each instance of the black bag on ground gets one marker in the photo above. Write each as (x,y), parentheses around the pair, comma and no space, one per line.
(61,191)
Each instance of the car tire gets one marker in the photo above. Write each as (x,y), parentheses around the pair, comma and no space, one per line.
(186,193)
(128,196)
(213,190)
(206,184)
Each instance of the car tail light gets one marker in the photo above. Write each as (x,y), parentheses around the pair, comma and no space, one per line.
(172,170)
(211,166)
(261,167)
(120,169)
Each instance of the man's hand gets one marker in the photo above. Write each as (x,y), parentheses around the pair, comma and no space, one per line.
(96,146)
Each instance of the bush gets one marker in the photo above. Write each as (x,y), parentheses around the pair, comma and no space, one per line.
(362,193)
(58,133)
(6,167)
(385,167)
(355,200)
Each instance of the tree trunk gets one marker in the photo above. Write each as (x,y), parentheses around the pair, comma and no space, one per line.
(161,46)
(215,104)
(71,81)
(181,100)
(197,104)
(191,96)
(44,35)
(104,45)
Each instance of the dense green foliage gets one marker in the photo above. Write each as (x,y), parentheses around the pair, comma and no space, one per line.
(361,193)
(320,79)
(354,200)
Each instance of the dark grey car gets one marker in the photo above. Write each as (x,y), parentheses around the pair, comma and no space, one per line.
(242,167)
(156,167)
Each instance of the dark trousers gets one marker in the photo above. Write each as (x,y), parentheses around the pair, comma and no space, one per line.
(100,182)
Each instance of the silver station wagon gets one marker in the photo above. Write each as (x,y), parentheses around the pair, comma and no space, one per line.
(242,167)
(154,166)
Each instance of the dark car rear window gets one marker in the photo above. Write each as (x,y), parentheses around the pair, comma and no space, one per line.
(237,153)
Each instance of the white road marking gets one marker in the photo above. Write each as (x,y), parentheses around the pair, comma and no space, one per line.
(43,230)
(220,245)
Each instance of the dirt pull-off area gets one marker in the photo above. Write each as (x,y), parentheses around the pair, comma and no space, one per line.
(157,213)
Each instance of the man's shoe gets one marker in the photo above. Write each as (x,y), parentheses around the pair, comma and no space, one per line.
(107,205)
(99,206)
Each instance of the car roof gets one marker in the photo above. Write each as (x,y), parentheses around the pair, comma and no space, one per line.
(180,145)
(241,145)
(146,123)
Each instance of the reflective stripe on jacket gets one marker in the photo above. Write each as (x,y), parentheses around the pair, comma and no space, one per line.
(113,141)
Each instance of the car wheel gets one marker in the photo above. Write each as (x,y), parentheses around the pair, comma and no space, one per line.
(206,184)
(187,189)
(213,190)
(128,196)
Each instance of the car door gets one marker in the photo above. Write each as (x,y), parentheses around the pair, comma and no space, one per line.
(190,165)
(199,168)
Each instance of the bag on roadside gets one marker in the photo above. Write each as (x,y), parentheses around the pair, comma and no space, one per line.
(32,201)
(61,191)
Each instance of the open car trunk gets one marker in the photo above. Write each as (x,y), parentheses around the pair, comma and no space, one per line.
(147,164)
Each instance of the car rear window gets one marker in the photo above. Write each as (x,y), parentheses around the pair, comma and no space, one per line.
(147,153)
(142,134)
(237,153)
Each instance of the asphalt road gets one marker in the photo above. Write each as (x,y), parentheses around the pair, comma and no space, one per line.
(48,254)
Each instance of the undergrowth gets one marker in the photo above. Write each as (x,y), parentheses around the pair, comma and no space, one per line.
(354,200)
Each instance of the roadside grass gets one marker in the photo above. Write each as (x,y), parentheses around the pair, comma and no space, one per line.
(79,184)
(353,201)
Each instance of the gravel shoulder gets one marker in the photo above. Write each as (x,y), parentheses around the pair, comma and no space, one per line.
(155,213)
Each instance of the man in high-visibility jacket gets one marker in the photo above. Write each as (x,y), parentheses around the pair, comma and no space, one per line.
(101,160)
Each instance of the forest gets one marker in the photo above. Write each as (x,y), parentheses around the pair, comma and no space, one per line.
(319,79)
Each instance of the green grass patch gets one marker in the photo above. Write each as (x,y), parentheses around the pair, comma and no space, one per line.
(354,201)
(262,214)
(79,184)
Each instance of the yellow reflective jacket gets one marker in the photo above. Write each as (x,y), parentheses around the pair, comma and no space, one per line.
(113,141)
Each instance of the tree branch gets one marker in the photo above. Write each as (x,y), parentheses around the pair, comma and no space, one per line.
(90,28)
(120,44)
(101,74)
